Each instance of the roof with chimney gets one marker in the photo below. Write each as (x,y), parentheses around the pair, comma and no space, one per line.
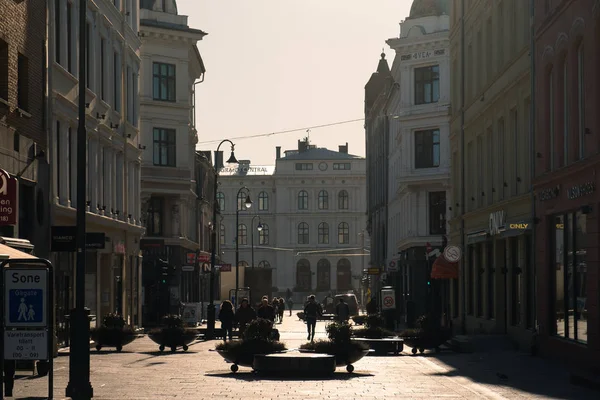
(318,154)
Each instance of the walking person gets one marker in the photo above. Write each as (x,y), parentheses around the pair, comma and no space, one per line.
(275,305)
(281,309)
(342,311)
(244,315)
(265,310)
(290,304)
(226,316)
(312,310)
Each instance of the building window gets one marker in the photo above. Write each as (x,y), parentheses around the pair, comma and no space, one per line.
(344,275)
(23,83)
(263,234)
(17,142)
(480,284)
(323,200)
(551,117)
(303,233)
(88,61)
(566,116)
(222,235)
(117,84)
(242,234)
(163,81)
(323,233)
(437,213)
(323,275)
(3,70)
(501,154)
(221,201)
(303,275)
(263,201)
(304,166)
(427,85)
(570,275)
(581,99)
(154,225)
(343,233)
(427,148)
(471,268)
(164,147)
(341,166)
(103,69)
(241,201)
(303,200)
(343,200)
(57,29)
(69,37)
(264,264)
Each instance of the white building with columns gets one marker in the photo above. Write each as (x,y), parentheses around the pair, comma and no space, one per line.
(171,68)
(419,152)
(113,268)
(311,209)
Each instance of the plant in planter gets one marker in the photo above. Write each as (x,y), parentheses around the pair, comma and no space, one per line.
(373,328)
(428,335)
(172,334)
(112,333)
(340,345)
(257,340)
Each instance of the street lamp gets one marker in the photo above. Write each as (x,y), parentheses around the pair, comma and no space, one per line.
(210,312)
(79,385)
(247,204)
(258,228)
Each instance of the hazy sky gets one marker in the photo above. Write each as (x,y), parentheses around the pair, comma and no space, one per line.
(277,65)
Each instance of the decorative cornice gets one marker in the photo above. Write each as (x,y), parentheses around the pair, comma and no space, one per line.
(578,28)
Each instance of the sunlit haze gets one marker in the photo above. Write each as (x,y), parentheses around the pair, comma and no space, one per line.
(278,65)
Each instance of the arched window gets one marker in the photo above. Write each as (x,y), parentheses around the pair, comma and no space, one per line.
(323,275)
(323,200)
(241,200)
(344,275)
(343,200)
(264,264)
(263,235)
(343,233)
(303,275)
(323,233)
(302,233)
(242,234)
(263,201)
(222,235)
(221,201)
(303,200)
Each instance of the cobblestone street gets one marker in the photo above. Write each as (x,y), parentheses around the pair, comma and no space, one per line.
(141,372)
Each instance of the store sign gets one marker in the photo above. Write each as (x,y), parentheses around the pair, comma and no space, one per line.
(549,193)
(497,222)
(578,191)
(521,226)
(420,55)
(8,199)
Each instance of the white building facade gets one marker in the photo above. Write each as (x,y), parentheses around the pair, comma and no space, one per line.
(171,67)
(419,155)
(113,157)
(311,209)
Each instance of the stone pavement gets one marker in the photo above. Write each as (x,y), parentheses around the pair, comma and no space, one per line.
(140,372)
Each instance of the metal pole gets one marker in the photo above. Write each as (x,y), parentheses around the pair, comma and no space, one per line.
(79,386)
(237,252)
(210,310)
(252,239)
(462,169)
(532,153)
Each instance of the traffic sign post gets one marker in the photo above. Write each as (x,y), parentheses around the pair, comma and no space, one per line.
(388,298)
(27,318)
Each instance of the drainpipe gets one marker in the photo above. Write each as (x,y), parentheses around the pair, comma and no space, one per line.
(532,157)
(462,166)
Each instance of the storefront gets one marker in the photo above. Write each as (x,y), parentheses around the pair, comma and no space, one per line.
(567,251)
(498,286)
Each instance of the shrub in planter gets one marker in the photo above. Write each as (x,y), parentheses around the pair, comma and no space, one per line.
(172,334)
(428,334)
(374,321)
(373,333)
(359,319)
(112,333)
(257,340)
(340,345)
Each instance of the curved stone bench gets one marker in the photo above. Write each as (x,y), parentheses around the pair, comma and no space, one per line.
(294,364)
(384,345)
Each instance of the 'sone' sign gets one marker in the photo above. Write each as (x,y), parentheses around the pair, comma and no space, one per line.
(8,199)
(25,294)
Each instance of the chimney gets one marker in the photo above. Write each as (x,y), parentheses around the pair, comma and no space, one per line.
(302,146)
(277,152)
(344,148)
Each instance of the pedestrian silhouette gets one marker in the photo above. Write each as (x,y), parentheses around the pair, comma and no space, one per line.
(22,310)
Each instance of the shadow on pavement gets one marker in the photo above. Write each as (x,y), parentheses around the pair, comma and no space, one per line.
(166,352)
(495,361)
(254,376)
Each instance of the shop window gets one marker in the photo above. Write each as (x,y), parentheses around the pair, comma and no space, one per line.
(570,269)
(530,283)
(303,275)
(491,280)
(516,281)
(479,285)
(471,271)
(323,275)
(437,213)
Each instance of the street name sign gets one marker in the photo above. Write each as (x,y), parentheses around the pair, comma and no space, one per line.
(25,296)
(25,345)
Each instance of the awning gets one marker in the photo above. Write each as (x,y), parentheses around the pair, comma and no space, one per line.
(444,269)
(13,253)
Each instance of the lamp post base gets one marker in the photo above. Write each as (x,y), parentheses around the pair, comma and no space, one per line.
(79,386)
(210,321)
